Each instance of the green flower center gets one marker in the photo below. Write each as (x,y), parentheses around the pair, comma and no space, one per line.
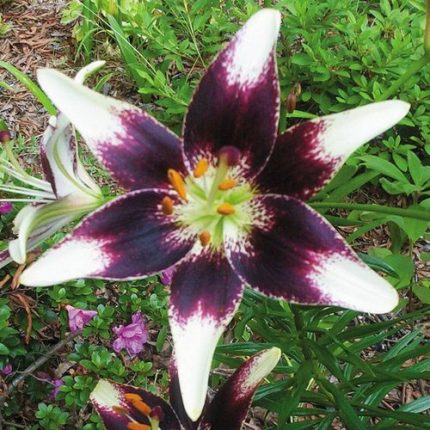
(214,202)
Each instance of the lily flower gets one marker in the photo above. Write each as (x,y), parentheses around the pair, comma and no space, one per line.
(127,407)
(224,206)
(66,194)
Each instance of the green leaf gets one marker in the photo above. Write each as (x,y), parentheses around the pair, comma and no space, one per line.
(422,292)
(415,168)
(31,86)
(347,412)
(384,166)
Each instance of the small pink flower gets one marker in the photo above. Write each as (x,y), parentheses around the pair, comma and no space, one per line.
(57,383)
(78,318)
(167,275)
(131,337)
(7,370)
(5,208)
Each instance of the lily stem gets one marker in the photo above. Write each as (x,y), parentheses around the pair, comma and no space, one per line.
(406,213)
(301,328)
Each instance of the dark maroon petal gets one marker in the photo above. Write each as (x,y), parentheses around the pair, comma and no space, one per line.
(5,258)
(129,237)
(205,293)
(296,167)
(237,101)
(308,155)
(294,254)
(116,410)
(231,403)
(147,150)
(134,147)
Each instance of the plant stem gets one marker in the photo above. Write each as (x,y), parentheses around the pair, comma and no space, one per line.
(427,31)
(406,213)
(300,327)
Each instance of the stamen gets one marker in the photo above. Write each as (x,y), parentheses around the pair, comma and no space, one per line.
(227,184)
(201,168)
(120,410)
(137,426)
(167,205)
(178,183)
(226,209)
(132,396)
(141,406)
(138,403)
(205,237)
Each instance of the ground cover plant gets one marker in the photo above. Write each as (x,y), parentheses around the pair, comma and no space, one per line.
(339,368)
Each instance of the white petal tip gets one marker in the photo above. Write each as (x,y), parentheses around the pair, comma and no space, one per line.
(267,19)
(353,285)
(105,394)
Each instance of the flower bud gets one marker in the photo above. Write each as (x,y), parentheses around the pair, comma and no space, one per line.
(291,102)
(5,136)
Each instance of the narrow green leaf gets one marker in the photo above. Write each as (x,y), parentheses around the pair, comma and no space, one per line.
(347,412)
(31,86)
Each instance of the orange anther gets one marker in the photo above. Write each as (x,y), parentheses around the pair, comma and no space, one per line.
(226,209)
(133,397)
(227,184)
(201,168)
(141,406)
(205,237)
(120,410)
(137,426)
(177,182)
(167,205)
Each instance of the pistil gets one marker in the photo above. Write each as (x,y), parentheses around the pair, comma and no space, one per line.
(228,156)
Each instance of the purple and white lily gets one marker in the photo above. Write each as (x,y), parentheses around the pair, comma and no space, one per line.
(224,205)
(66,194)
(125,407)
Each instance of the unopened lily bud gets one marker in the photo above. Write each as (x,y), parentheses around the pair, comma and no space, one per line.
(291,102)
(229,155)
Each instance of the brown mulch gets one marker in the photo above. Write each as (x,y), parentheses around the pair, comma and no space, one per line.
(36,39)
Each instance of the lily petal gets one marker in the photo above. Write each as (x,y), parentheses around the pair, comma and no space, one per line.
(58,156)
(237,101)
(205,294)
(308,155)
(127,238)
(120,405)
(58,150)
(5,258)
(292,253)
(134,147)
(231,403)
